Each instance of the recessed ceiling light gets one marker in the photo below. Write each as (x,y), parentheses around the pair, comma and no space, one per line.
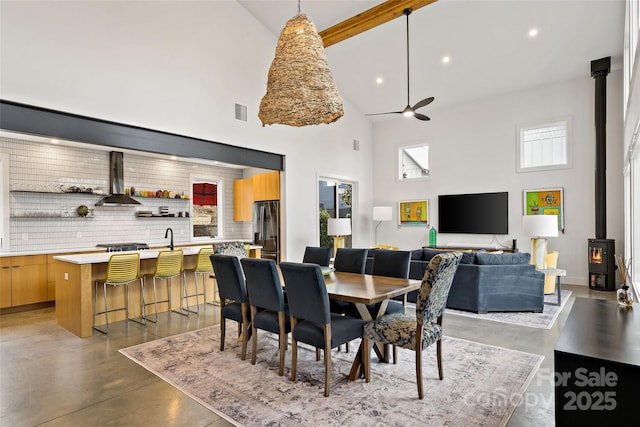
(379,81)
(533,32)
(174,158)
(446,59)
(54,141)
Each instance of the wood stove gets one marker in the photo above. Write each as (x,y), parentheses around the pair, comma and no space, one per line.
(602,265)
(601,251)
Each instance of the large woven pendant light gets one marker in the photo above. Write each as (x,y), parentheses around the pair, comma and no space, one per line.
(300,87)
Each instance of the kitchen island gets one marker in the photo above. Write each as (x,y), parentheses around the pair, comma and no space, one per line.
(76,275)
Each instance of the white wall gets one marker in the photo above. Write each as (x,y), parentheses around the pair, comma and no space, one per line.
(473,149)
(179,67)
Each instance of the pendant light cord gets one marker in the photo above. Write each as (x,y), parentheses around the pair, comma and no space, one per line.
(298,7)
(407,12)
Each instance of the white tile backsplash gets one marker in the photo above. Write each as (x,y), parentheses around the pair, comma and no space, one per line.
(38,221)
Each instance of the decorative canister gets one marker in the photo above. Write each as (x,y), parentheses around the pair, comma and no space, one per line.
(625,296)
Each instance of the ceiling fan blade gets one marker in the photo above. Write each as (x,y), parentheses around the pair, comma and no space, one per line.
(379,114)
(408,110)
(423,103)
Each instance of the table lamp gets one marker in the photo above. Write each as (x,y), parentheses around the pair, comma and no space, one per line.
(381,213)
(338,227)
(539,227)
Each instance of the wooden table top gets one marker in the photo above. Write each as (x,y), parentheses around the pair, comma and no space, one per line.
(367,289)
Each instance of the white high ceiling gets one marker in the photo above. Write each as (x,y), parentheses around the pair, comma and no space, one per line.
(488,42)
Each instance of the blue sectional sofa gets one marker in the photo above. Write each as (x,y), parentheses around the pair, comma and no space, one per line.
(484,282)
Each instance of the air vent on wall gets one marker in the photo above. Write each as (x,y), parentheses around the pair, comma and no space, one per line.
(241,112)
(356,145)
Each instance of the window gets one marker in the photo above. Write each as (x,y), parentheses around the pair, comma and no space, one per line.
(206,209)
(543,146)
(413,162)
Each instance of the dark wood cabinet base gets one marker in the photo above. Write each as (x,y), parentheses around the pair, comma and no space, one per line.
(597,365)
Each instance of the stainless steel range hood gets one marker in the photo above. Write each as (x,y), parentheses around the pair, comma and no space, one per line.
(116,184)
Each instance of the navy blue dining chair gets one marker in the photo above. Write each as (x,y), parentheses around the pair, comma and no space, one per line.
(350,260)
(265,294)
(311,321)
(392,263)
(234,301)
(317,255)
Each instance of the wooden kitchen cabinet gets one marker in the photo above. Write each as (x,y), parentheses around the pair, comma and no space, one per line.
(5,282)
(266,186)
(243,200)
(51,277)
(28,279)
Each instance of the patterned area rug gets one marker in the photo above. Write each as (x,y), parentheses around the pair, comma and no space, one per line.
(482,384)
(544,320)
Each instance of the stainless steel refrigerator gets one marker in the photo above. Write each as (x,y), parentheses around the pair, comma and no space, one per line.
(266,228)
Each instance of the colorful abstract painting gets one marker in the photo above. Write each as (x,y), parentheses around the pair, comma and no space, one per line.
(414,212)
(545,201)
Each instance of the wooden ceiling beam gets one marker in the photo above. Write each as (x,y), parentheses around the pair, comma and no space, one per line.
(369,19)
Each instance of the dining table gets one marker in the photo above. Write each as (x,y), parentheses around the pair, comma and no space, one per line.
(366,291)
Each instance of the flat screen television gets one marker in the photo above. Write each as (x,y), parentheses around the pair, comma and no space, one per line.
(480,213)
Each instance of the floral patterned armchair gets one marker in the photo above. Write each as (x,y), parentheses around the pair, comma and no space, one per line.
(419,331)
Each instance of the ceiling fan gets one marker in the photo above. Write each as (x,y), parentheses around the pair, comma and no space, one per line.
(409,110)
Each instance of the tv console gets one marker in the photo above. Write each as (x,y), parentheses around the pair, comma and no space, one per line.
(470,247)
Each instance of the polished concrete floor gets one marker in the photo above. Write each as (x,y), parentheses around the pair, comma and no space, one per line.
(50,377)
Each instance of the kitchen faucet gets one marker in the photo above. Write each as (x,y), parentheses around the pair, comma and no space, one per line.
(165,236)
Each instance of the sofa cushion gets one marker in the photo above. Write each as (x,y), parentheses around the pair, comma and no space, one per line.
(427,253)
(483,258)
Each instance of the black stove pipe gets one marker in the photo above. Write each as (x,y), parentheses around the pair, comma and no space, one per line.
(599,70)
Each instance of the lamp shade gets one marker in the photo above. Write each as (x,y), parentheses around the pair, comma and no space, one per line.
(540,225)
(339,227)
(382,213)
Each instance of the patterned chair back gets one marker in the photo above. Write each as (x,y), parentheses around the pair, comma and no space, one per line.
(436,284)
(238,249)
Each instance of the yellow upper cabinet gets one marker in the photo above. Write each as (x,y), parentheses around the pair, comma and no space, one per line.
(266,186)
(242,200)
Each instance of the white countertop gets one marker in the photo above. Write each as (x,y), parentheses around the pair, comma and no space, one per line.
(101,257)
(98,250)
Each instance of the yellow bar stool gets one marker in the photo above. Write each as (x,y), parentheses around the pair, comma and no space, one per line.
(203,268)
(168,266)
(122,270)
